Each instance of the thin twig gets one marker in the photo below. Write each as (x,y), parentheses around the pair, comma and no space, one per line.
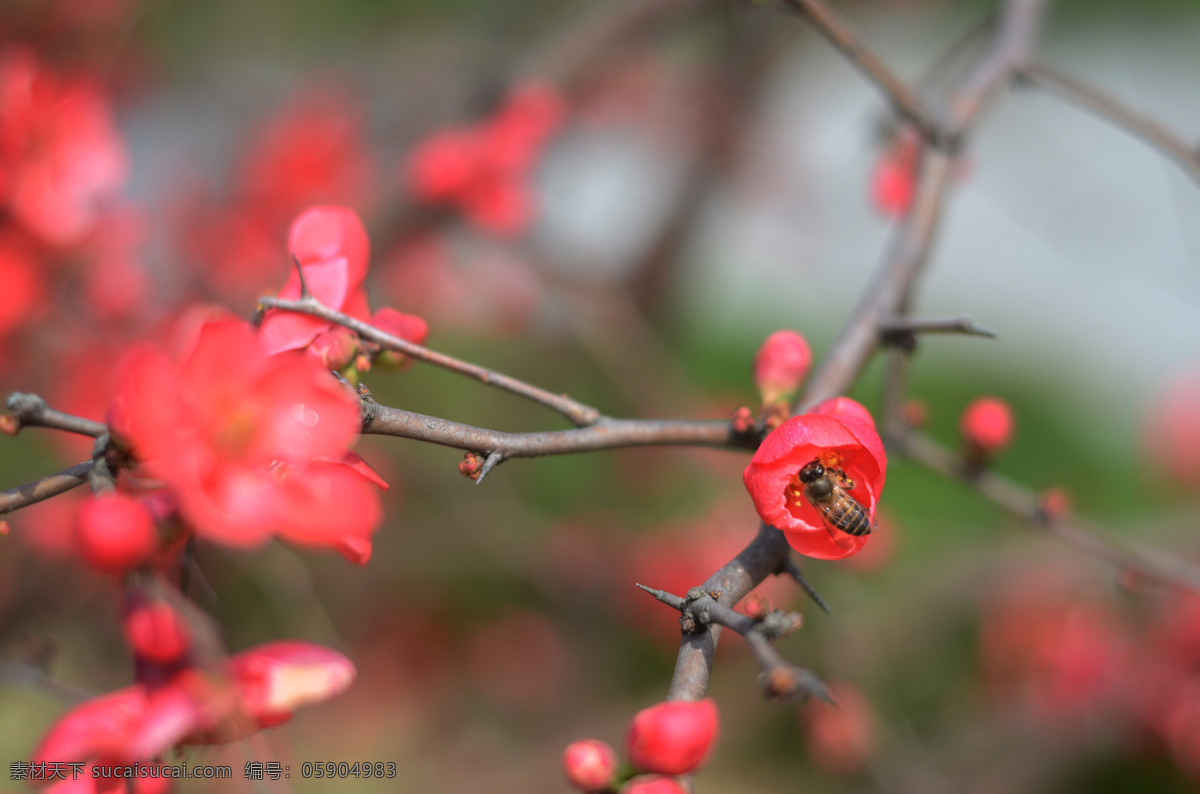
(933,325)
(32,411)
(1113,110)
(792,569)
(1026,505)
(579,414)
(24,673)
(25,495)
(605,434)
(903,99)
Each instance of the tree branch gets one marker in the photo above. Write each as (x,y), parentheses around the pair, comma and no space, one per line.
(1114,111)
(606,433)
(902,98)
(579,414)
(31,410)
(25,495)
(885,298)
(1026,505)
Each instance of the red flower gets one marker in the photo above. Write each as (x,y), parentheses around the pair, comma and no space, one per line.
(654,785)
(249,445)
(484,169)
(254,689)
(1173,431)
(894,177)
(589,764)
(673,737)
(115,533)
(332,247)
(60,154)
(987,426)
(842,441)
(780,365)
(841,738)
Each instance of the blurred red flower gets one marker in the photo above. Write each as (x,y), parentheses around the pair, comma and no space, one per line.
(250,445)
(484,169)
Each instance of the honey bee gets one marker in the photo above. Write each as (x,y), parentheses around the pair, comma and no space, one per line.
(827,489)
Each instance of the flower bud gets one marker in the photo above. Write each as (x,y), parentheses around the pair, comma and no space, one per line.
(654,785)
(672,738)
(155,631)
(780,365)
(590,764)
(987,426)
(115,532)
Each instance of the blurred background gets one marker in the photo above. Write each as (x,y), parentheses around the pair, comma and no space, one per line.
(620,200)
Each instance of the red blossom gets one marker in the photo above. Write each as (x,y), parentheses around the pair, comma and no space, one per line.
(60,154)
(1172,439)
(894,178)
(844,406)
(842,441)
(254,689)
(408,327)
(987,426)
(780,365)
(673,737)
(331,245)
(483,169)
(841,738)
(115,532)
(589,764)
(24,289)
(250,445)
(654,785)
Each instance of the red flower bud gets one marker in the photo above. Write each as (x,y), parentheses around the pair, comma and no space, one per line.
(843,443)
(780,365)
(155,631)
(115,533)
(655,785)
(672,738)
(987,425)
(1054,503)
(590,764)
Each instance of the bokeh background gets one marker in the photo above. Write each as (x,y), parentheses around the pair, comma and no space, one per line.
(712,176)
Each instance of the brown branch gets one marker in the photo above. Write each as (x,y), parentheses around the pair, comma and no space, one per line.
(887,296)
(25,495)
(1114,111)
(903,99)
(31,410)
(1027,505)
(579,414)
(779,678)
(24,673)
(607,433)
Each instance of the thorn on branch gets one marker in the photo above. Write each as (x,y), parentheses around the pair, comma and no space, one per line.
(792,569)
(493,460)
(675,602)
(902,332)
(305,295)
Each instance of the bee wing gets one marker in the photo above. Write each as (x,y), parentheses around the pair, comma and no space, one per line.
(843,540)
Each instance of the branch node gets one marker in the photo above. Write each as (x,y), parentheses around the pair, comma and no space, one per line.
(493,460)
